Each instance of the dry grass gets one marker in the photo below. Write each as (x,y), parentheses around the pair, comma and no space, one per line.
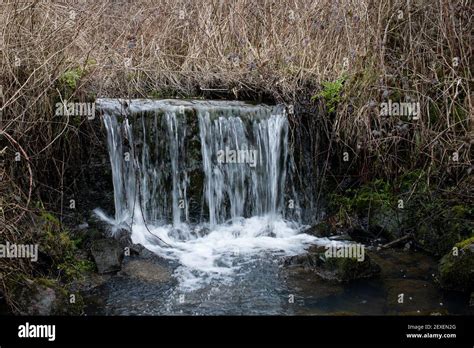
(281,49)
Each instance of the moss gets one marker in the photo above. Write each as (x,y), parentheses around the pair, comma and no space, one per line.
(46,296)
(73,269)
(46,289)
(437,219)
(347,269)
(456,268)
(340,269)
(465,243)
(439,227)
(59,244)
(375,201)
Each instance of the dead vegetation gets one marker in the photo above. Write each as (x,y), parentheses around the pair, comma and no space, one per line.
(56,51)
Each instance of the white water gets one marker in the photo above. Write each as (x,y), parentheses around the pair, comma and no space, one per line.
(243,208)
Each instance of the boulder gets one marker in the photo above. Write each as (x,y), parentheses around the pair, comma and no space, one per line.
(107,254)
(338,269)
(322,229)
(43,302)
(42,296)
(124,237)
(456,268)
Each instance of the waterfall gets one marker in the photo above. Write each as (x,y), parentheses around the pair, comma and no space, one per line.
(206,177)
(249,181)
(247,190)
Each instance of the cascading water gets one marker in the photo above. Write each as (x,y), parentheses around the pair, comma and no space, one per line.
(254,188)
(209,179)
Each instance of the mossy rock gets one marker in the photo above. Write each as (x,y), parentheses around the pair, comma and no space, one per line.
(337,269)
(108,255)
(456,268)
(44,296)
(346,269)
(438,232)
(388,222)
(322,229)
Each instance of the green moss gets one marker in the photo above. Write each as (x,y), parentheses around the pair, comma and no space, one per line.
(346,269)
(375,194)
(61,264)
(375,200)
(31,297)
(74,269)
(437,219)
(438,226)
(456,269)
(46,282)
(62,248)
(465,243)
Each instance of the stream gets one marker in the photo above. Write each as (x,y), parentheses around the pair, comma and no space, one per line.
(207,188)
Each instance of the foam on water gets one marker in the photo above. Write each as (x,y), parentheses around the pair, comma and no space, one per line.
(221,253)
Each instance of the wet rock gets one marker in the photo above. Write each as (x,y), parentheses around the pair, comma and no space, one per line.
(456,268)
(83,226)
(308,260)
(370,231)
(107,254)
(338,269)
(347,269)
(322,229)
(124,237)
(94,234)
(138,249)
(89,282)
(146,271)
